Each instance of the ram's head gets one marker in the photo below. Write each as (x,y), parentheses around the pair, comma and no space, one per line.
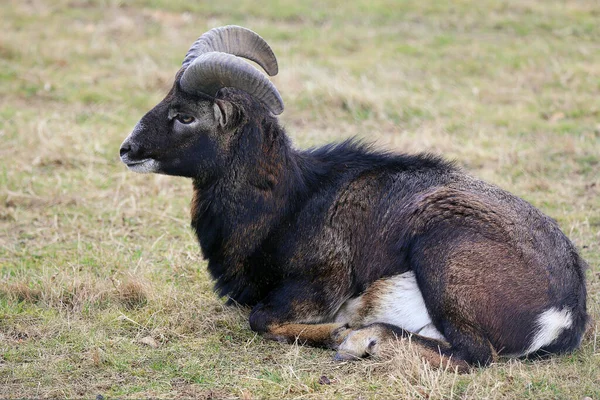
(188,132)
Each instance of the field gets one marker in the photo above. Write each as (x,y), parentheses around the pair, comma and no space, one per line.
(103,290)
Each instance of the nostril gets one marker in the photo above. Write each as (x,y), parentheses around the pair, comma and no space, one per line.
(124,149)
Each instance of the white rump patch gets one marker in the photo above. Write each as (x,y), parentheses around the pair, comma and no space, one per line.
(397,302)
(549,325)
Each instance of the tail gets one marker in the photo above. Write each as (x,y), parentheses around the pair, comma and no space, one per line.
(571,333)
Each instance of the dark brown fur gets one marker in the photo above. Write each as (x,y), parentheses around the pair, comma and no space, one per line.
(299,235)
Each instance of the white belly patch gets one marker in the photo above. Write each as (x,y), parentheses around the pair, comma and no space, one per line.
(396,300)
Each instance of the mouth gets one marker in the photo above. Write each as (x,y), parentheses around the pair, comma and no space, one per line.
(131,163)
(146,165)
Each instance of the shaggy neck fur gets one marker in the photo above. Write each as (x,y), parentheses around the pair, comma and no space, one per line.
(234,215)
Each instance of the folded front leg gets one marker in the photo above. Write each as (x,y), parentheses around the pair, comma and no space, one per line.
(302,312)
(329,335)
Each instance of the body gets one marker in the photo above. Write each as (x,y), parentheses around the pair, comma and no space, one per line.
(346,247)
(359,237)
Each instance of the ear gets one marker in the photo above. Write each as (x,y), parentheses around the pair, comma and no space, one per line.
(223,111)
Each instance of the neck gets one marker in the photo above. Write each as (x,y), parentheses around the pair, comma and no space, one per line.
(234,216)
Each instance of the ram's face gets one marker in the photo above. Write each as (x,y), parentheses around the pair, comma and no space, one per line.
(183,135)
(187,133)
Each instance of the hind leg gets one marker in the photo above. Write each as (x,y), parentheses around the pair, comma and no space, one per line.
(469,345)
(373,339)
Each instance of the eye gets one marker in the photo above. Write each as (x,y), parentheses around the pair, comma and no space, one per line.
(185,119)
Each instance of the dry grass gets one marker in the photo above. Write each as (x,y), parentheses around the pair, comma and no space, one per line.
(102,287)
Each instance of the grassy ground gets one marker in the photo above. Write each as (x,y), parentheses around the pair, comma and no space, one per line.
(102,287)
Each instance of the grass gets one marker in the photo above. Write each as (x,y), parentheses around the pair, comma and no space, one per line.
(102,286)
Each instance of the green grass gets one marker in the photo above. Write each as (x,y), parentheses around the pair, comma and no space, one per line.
(94,259)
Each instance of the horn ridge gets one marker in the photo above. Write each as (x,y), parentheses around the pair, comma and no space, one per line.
(235,40)
(212,71)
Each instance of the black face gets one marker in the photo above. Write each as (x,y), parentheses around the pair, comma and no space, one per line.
(183,135)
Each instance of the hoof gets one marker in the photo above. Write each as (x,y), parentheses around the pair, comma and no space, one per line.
(338,335)
(358,344)
(343,356)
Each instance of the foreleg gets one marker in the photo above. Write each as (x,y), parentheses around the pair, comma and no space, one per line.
(300,312)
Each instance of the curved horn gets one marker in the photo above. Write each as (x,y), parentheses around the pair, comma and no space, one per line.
(210,72)
(235,40)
